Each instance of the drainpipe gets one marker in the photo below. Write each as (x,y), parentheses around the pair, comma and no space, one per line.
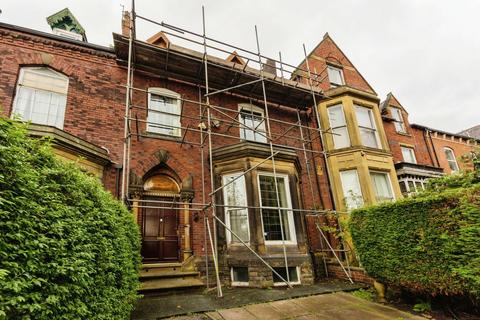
(433,147)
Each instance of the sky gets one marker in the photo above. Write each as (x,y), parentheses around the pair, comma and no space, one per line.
(426,52)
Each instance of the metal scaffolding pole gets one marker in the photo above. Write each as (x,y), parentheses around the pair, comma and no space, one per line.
(127,137)
(272,154)
(212,179)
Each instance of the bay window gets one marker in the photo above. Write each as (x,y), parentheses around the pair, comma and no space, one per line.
(41,96)
(367,127)
(272,209)
(352,191)
(382,186)
(164,110)
(236,213)
(338,127)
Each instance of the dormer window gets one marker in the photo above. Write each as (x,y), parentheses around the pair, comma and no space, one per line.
(398,120)
(335,76)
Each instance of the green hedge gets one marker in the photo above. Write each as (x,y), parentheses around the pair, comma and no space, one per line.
(68,250)
(428,244)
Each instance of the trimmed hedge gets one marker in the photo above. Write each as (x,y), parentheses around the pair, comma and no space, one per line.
(427,244)
(68,250)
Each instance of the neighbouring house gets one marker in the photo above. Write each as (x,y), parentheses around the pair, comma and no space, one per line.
(420,152)
(473,132)
(194,135)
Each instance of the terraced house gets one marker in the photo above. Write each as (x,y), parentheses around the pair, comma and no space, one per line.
(228,159)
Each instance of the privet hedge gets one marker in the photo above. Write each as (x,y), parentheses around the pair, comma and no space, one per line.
(427,244)
(68,250)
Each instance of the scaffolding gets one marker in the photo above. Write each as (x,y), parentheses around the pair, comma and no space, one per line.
(294,89)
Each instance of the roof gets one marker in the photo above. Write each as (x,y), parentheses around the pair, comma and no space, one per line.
(187,65)
(64,16)
(55,37)
(418,126)
(473,132)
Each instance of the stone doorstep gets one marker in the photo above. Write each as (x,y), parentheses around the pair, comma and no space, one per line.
(170,283)
(167,276)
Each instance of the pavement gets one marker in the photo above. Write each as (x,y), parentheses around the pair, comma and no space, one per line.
(153,307)
(336,306)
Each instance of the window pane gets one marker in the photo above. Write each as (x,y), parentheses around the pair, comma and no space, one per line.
(335,115)
(408,155)
(235,195)
(369,137)
(41,97)
(282,271)
(381,185)
(340,137)
(418,186)
(255,124)
(271,216)
(271,225)
(335,75)
(452,162)
(364,117)
(397,116)
(403,187)
(351,189)
(164,115)
(240,274)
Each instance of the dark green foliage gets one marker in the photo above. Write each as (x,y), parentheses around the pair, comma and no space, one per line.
(427,244)
(68,250)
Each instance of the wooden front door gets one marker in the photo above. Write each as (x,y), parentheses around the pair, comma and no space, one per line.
(159,234)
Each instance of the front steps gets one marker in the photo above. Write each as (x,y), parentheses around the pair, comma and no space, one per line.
(167,276)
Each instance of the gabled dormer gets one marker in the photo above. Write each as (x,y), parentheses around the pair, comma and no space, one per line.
(331,68)
(235,58)
(393,111)
(64,23)
(159,39)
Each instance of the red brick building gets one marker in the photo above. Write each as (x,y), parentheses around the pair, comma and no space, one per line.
(248,151)
(420,152)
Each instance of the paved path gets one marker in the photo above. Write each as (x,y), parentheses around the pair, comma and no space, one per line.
(336,306)
(153,307)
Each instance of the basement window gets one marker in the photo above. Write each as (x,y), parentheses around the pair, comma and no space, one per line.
(292,274)
(239,276)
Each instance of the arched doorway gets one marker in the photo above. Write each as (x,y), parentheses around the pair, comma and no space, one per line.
(160,240)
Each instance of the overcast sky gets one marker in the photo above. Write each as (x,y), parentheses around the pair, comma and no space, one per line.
(426,52)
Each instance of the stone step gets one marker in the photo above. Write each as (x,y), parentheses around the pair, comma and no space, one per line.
(159,284)
(157,273)
(174,266)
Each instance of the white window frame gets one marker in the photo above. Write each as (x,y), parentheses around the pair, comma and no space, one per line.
(410,150)
(239,283)
(339,106)
(225,180)
(373,123)
(291,222)
(177,131)
(453,160)
(37,89)
(282,284)
(331,69)
(414,180)
(259,133)
(389,183)
(346,196)
(398,120)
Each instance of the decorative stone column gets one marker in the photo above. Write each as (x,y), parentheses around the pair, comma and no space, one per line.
(186,195)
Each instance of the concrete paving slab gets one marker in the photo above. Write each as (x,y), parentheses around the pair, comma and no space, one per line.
(264,311)
(289,308)
(237,314)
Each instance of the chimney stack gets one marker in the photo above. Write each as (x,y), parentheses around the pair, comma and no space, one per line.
(126,24)
(270,67)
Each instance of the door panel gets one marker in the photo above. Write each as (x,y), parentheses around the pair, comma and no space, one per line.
(159,234)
